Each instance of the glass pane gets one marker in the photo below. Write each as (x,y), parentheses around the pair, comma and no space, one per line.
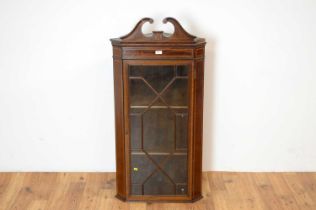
(176,168)
(177,93)
(137,189)
(181,125)
(182,71)
(159,129)
(141,167)
(140,93)
(157,76)
(136,131)
(159,184)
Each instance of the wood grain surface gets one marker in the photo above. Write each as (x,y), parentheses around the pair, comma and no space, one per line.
(227,191)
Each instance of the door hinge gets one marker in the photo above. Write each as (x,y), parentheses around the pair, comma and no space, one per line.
(194,73)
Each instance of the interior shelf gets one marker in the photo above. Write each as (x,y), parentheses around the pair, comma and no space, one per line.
(159,153)
(159,107)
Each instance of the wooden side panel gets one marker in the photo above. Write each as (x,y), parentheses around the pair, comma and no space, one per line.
(198,129)
(119,125)
(199,53)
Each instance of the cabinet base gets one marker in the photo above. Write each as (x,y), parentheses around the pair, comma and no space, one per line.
(120,197)
(159,201)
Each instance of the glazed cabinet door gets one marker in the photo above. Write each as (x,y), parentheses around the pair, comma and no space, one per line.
(158,127)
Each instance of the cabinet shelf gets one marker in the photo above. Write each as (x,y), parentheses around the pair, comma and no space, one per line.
(159,107)
(158,153)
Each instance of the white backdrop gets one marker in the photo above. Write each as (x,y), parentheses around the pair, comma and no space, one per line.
(56,87)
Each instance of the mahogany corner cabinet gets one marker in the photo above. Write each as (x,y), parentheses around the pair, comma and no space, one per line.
(158,85)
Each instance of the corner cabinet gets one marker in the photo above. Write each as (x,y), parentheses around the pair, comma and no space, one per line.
(158,83)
